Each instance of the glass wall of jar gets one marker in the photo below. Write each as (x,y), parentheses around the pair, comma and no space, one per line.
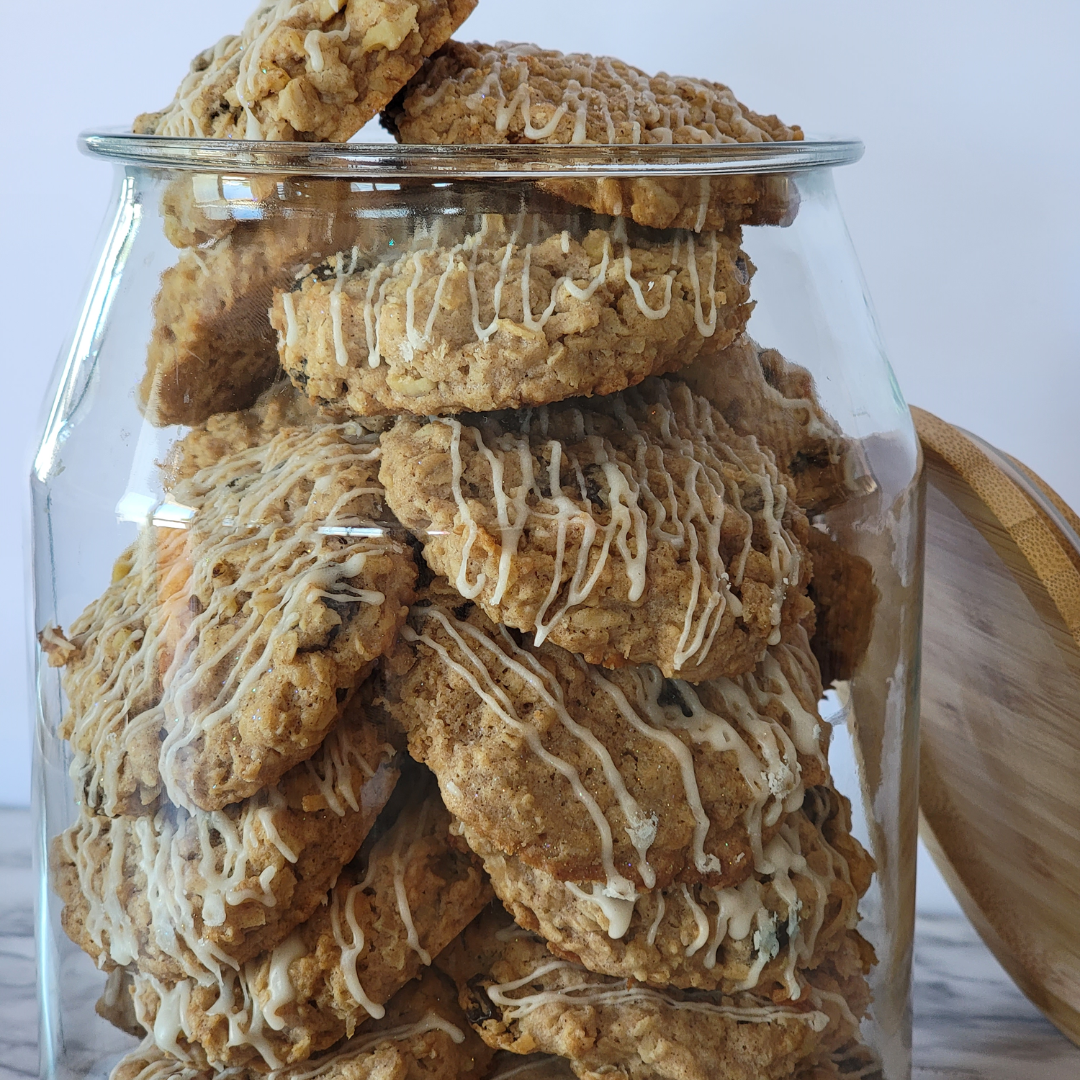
(427,540)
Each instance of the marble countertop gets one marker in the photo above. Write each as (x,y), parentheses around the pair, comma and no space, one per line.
(971,1023)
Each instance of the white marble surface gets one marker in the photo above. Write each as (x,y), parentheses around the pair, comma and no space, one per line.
(971,1023)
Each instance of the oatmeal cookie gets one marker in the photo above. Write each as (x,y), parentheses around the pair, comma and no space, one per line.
(402,902)
(760,393)
(236,627)
(212,348)
(222,434)
(634,528)
(308,70)
(845,599)
(196,895)
(759,936)
(624,777)
(195,210)
(422,1036)
(519,998)
(514,313)
(280,406)
(513,94)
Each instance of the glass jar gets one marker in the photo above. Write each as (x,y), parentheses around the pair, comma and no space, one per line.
(229,670)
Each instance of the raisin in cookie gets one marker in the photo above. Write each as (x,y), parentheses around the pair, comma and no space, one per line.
(311,70)
(236,627)
(422,1036)
(387,916)
(635,528)
(193,895)
(514,94)
(759,936)
(511,313)
(623,778)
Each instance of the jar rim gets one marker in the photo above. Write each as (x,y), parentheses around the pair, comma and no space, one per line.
(536,161)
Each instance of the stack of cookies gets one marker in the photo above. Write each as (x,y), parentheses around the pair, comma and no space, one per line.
(455,714)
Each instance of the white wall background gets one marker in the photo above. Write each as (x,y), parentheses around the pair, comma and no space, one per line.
(964,210)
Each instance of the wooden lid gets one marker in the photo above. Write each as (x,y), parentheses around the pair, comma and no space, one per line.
(1000,747)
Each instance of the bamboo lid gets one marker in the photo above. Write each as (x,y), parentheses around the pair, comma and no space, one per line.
(1000,747)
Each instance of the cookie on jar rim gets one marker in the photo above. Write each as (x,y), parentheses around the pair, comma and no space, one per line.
(634,528)
(308,70)
(761,935)
(398,905)
(519,998)
(515,93)
(236,627)
(181,895)
(504,312)
(622,778)
(422,1036)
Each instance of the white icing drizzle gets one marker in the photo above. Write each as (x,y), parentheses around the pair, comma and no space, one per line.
(703,203)
(485,685)
(247,1021)
(636,519)
(700,918)
(661,907)
(736,913)
(253,997)
(598,991)
(399,858)
(166,678)
(194,867)
(351,949)
(432,257)
(281,990)
(736,909)
(766,756)
(160,1067)
(512,932)
(618,912)
(658,109)
(181,119)
(292,330)
(400,861)
(341,354)
(619,233)
(314,41)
